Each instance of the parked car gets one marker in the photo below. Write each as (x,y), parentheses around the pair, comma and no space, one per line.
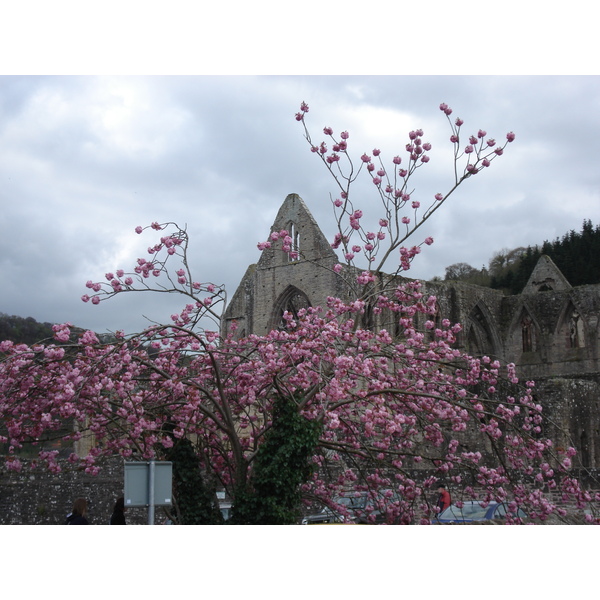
(473,511)
(361,507)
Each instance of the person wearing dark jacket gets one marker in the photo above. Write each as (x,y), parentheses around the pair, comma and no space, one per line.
(79,513)
(118,516)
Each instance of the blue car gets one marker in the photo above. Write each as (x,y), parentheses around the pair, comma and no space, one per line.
(472,511)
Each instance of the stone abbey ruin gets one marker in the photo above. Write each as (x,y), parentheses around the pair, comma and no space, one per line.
(550,330)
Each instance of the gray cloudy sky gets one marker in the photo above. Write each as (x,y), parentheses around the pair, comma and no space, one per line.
(84,160)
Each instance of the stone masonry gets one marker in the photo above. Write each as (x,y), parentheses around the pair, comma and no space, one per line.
(550,330)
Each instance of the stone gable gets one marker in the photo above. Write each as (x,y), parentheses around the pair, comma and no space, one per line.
(550,330)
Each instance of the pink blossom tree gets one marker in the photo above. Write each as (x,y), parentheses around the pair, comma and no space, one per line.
(319,406)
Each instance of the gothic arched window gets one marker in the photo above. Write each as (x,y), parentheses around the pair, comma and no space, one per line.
(292,300)
(527,333)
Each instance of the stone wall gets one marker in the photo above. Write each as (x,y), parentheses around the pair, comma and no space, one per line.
(38,497)
(551,331)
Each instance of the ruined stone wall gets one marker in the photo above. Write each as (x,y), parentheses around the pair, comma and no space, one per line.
(564,332)
(550,331)
(38,497)
(572,415)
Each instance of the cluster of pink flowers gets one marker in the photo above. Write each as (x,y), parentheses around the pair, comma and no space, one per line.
(169,248)
(287,244)
(393,187)
(479,151)
(393,397)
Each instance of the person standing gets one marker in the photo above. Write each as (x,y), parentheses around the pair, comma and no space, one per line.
(444,498)
(118,516)
(78,515)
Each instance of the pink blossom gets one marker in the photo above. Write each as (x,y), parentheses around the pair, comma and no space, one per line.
(88,338)
(510,136)
(139,229)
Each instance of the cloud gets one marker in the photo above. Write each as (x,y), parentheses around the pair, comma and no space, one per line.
(84,160)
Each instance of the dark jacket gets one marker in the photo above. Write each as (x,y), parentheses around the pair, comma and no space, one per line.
(118,517)
(76,519)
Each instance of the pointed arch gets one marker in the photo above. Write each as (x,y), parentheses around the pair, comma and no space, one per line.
(524,333)
(294,233)
(481,337)
(571,327)
(292,300)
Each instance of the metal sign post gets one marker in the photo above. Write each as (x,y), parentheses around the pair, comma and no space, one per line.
(148,484)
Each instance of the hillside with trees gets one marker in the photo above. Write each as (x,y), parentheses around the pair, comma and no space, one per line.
(577,255)
(23,330)
(26,330)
